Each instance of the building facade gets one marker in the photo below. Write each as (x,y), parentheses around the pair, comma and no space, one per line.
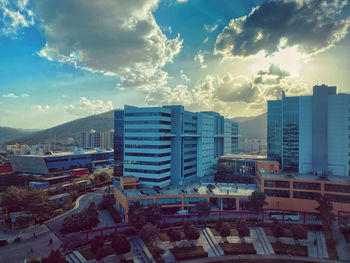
(163,145)
(310,133)
(56,163)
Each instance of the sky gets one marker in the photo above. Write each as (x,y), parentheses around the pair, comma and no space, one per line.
(63,60)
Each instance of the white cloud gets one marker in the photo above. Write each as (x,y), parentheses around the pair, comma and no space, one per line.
(200,58)
(39,108)
(183,76)
(205,40)
(89,107)
(115,37)
(14,15)
(209,28)
(231,94)
(10,95)
(182,1)
(23,95)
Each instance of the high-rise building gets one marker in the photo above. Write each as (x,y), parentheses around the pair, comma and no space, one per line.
(310,133)
(91,139)
(163,145)
(107,139)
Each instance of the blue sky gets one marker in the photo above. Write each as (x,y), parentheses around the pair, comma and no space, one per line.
(62,60)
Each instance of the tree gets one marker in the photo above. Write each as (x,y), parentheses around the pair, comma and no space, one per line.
(219,223)
(150,234)
(120,244)
(174,236)
(242,228)
(96,243)
(325,208)
(203,209)
(139,215)
(277,229)
(191,232)
(85,220)
(33,200)
(298,232)
(257,201)
(55,256)
(225,230)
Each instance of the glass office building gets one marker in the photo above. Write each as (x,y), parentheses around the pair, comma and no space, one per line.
(311,133)
(163,145)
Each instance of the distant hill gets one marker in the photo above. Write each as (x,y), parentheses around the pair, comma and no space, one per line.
(7,133)
(101,122)
(249,127)
(252,127)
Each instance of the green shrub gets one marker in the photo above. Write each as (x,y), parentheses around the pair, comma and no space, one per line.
(185,253)
(3,242)
(238,248)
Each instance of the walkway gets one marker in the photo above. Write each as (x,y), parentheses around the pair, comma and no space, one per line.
(257,257)
(260,241)
(343,248)
(212,242)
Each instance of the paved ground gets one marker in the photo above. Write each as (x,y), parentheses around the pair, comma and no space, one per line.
(343,248)
(261,242)
(30,247)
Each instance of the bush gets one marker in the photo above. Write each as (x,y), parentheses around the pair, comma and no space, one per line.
(238,248)
(120,244)
(96,244)
(3,242)
(101,253)
(185,253)
(285,249)
(157,254)
(128,232)
(114,214)
(219,223)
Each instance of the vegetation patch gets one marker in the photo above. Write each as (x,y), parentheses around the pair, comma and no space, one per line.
(286,249)
(234,232)
(184,253)
(89,255)
(237,248)
(287,232)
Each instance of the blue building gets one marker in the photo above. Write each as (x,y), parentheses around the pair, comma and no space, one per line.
(169,145)
(55,163)
(310,133)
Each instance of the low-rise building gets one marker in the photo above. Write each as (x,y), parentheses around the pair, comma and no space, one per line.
(293,191)
(181,197)
(56,163)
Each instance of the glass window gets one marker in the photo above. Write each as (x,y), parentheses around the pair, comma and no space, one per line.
(277,193)
(306,185)
(193,200)
(154,180)
(306,195)
(337,188)
(168,201)
(276,183)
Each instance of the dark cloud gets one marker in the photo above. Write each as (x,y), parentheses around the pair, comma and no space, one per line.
(308,24)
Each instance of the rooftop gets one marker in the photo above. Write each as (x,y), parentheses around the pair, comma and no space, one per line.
(308,176)
(58,154)
(194,188)
(245,157)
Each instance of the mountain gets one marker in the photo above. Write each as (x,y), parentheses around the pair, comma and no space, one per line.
(252,127)
(249,127)
(100,123)
(7,133)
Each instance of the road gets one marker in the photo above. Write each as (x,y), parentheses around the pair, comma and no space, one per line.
(96,197)
(39,246)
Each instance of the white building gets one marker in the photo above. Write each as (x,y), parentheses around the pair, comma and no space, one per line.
(163,145)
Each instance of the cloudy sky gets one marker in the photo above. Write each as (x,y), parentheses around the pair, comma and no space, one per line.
(62,60)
